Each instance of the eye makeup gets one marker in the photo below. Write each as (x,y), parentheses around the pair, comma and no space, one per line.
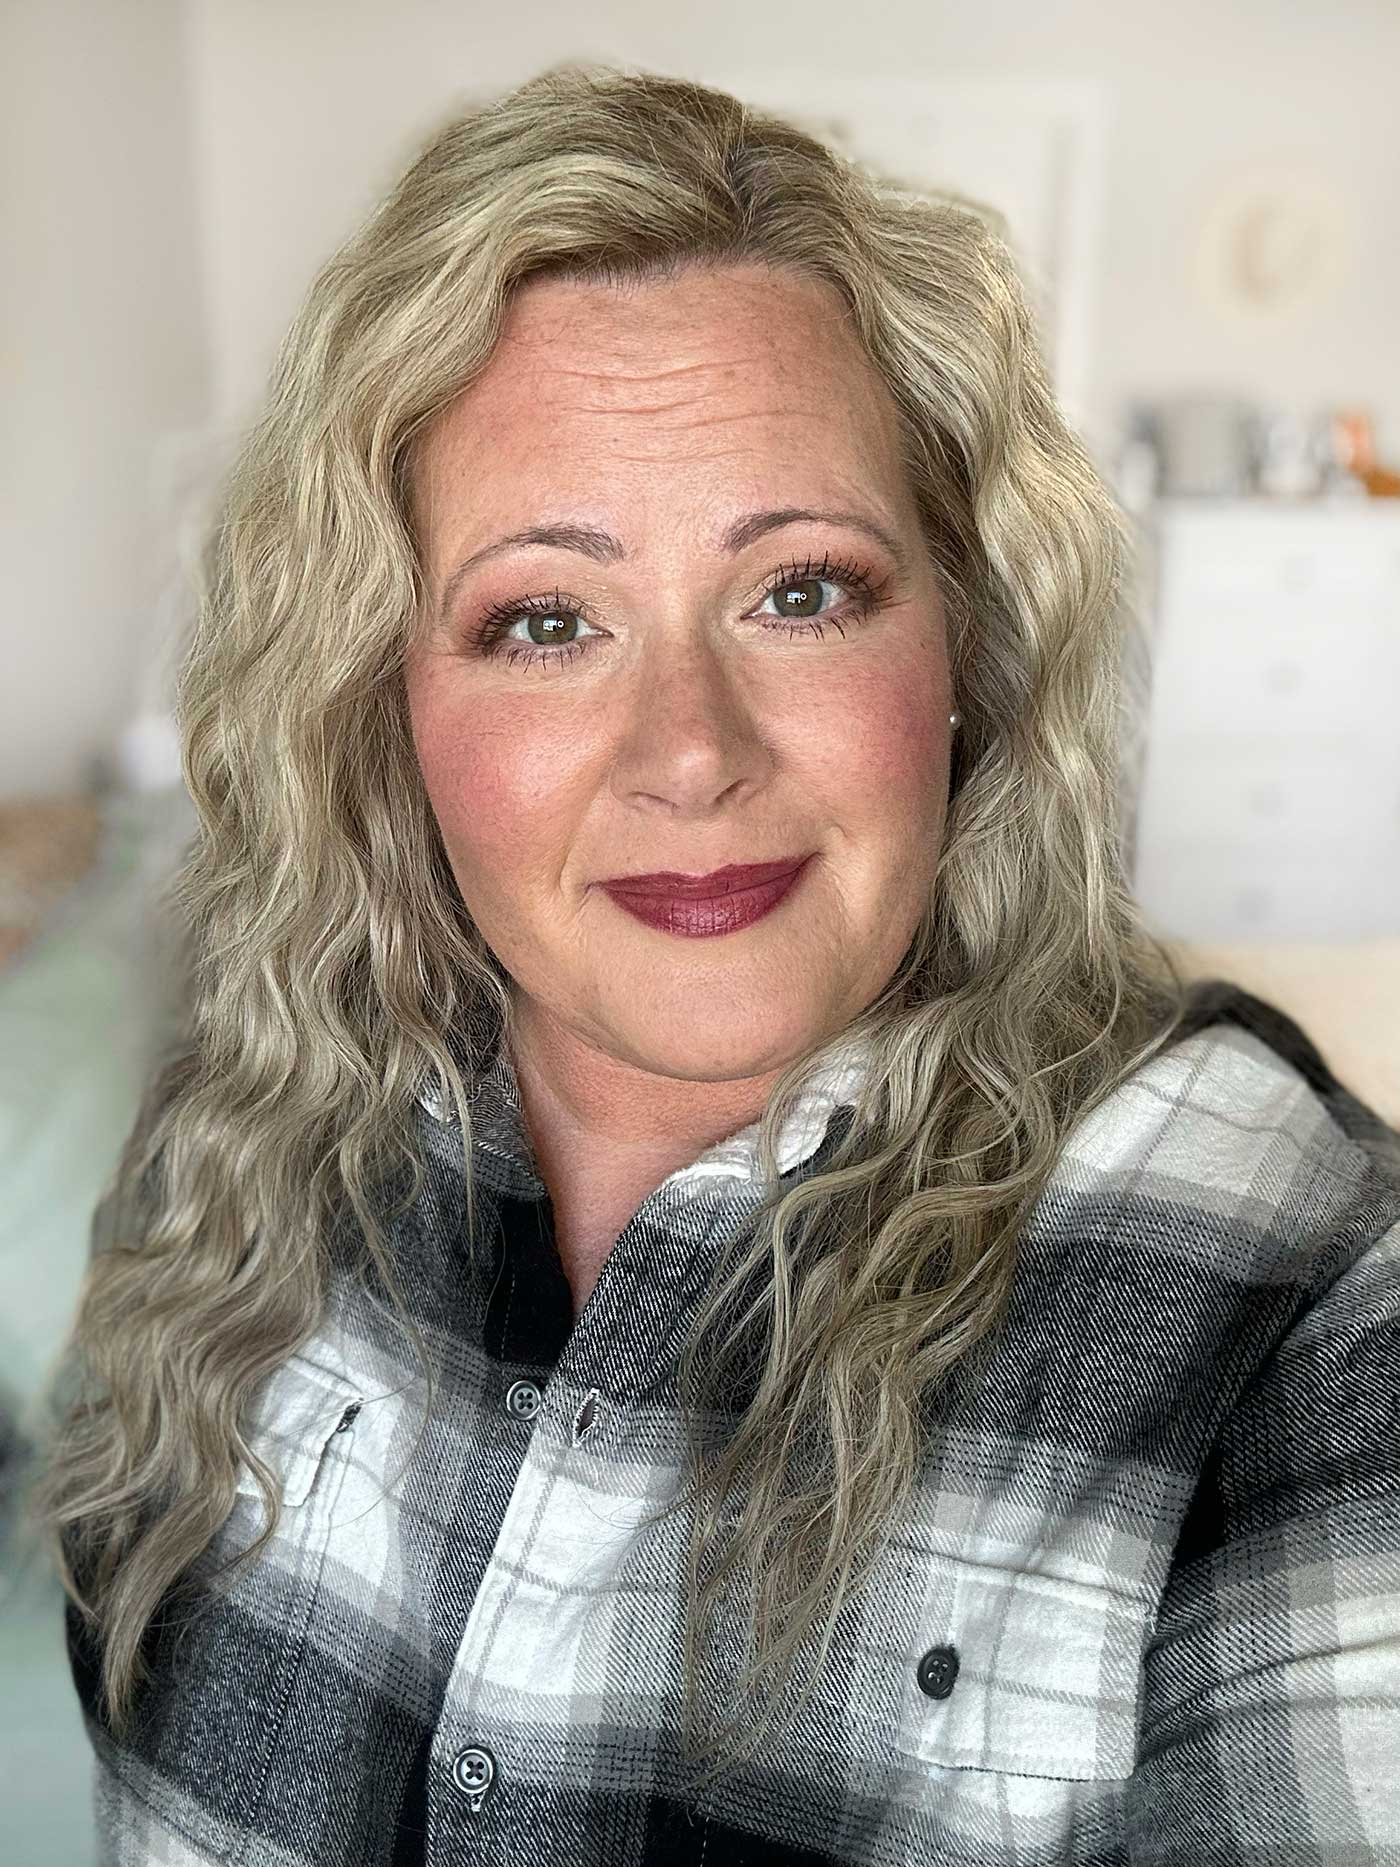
(866,593)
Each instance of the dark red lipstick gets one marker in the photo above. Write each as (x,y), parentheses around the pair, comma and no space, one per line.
(703,887)
(701,905)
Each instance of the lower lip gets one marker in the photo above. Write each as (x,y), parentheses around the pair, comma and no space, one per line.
(714,914)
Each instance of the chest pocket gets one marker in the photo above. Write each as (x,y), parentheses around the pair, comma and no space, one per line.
(956,1674)
(226,1655)
(1024,1675)
(292,1427)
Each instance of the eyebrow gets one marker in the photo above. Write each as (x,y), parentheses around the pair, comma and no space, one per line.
(603,548)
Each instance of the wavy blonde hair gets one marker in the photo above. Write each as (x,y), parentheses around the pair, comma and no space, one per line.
(332,960)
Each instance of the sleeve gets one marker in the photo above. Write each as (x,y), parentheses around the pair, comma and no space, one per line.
(1270,1727)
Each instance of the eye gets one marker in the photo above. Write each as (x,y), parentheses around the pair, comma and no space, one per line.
(801,597)
(799,593)
(551,624)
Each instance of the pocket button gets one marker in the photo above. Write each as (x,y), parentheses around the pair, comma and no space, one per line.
(938,1671)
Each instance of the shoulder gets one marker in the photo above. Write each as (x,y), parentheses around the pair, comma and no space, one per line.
(1276,1615)
(1272,1052)
(1246,1147)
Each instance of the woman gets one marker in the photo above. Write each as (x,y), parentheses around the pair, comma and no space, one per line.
(857,1363)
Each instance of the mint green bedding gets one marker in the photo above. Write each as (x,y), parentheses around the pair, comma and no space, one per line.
(82,1010)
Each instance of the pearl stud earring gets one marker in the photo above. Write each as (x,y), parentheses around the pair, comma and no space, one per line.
(955,719)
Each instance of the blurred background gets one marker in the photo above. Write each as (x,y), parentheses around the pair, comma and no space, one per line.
(1204,201)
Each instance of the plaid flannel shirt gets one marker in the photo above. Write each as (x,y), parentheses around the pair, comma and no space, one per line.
(1145,1608)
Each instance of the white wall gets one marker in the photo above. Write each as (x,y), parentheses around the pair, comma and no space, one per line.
(307,111)
(105,352)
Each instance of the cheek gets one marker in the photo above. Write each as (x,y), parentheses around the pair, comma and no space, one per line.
(498,779)
(877,751)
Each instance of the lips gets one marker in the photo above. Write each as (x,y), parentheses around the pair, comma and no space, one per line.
(719,882)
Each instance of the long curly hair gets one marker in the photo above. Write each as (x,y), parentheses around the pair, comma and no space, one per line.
(333,968)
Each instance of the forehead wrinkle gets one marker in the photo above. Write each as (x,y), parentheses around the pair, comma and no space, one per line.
(699,417)
(653,409)
(608,388)
(648,375)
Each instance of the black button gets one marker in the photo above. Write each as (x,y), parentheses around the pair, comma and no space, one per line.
(937,1671)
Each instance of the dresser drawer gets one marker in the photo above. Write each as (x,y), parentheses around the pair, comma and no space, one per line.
(1314,797)
(1299,552)
(1252,669)
(1260,895)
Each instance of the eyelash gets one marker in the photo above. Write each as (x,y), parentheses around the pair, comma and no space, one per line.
(487,634)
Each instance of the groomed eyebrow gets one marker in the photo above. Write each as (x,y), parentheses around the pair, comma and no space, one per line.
(603,548)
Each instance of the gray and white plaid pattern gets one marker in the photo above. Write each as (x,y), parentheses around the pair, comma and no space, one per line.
(1145,1608)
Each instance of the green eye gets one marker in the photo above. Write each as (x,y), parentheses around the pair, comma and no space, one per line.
(800,591)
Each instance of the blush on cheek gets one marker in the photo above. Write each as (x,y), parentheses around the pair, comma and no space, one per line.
(500,784)
(909,739)
(469,785)
(887,736)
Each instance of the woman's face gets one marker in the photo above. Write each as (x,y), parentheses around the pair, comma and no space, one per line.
(658,702)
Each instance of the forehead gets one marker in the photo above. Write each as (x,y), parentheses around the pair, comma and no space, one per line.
(701,315)
(711,363)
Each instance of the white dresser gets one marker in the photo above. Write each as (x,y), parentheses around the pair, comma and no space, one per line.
(1269,807)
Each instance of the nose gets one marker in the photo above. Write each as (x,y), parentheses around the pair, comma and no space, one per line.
(693,737)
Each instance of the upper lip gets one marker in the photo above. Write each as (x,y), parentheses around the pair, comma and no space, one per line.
(697,887)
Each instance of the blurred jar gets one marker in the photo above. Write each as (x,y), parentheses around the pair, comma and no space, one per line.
(1288,463)
(1137,471)
(1208,446)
